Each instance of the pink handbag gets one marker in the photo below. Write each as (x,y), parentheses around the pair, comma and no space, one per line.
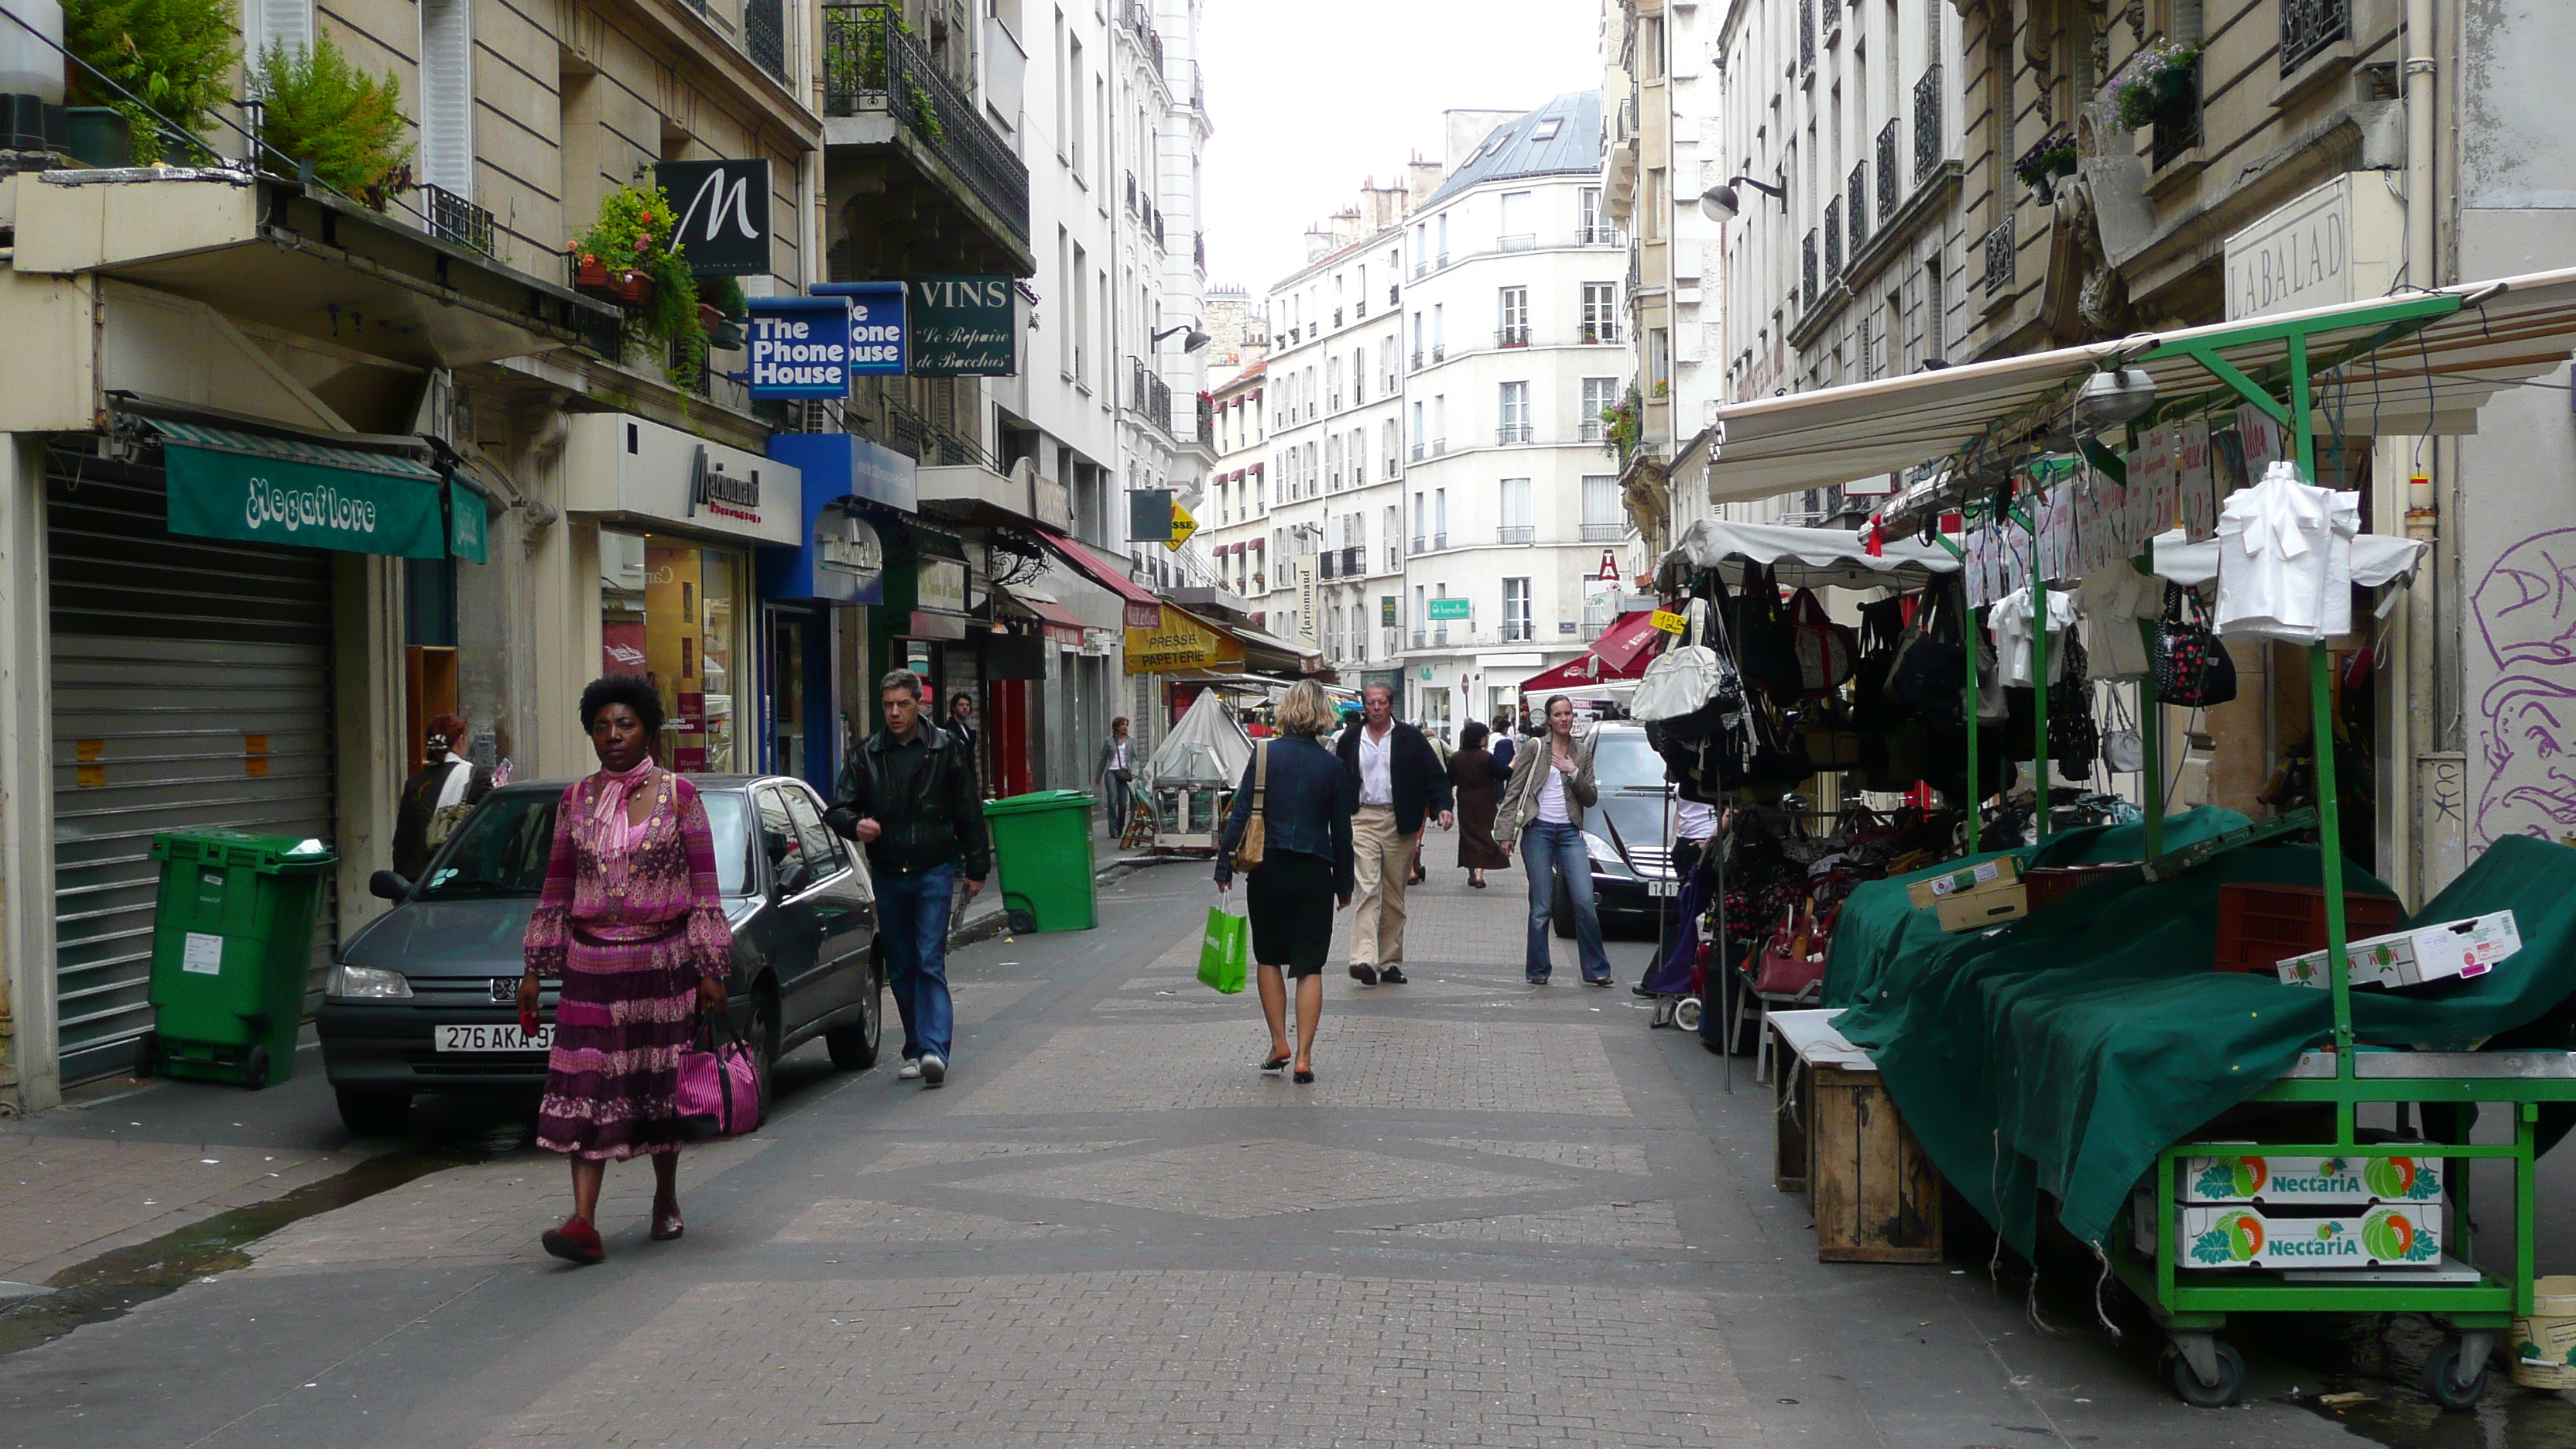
(719,1090)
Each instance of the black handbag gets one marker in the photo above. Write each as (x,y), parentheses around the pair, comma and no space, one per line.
(1766,648)
(2192,667)
(1882,629)
(2074,740)
(1929,675)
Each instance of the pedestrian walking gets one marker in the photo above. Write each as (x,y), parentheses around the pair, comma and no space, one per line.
(1502,745)
(1542,811)
(1477,778)
(1116,772)
(1306,862)
(631,921)
(435,801)
(909,795)
(1394,781)
(961,723)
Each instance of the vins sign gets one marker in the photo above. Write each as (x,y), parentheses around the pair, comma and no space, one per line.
(963,326)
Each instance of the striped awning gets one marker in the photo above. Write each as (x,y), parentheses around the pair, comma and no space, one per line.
(320,455)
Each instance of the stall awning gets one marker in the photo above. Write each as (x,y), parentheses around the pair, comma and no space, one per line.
(1059,623)
(2432,381)
(1628,637)
(1144,610)
(1804,558)
(224,483)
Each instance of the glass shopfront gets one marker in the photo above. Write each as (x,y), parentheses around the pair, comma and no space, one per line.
(674,611)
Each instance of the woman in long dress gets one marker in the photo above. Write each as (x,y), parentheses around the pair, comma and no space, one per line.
(632,921)
(1478,779)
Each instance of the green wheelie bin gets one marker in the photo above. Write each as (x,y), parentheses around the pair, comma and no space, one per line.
(232,933)
(1042,848)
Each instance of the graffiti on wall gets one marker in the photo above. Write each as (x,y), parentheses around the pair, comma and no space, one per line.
(2525,609)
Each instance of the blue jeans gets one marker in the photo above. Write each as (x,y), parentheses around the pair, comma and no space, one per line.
(1547,851)
(912,915)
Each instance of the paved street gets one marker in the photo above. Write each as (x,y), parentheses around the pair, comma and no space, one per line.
(1502,1216)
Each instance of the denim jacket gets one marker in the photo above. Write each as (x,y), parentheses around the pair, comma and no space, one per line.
(1303,810)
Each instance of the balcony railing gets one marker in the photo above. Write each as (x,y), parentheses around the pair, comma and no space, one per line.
(871,66)
(1439,636)
(1512,337)
(1592,430)
(1596,235)
(1833,241)
(1603,532)
(1207,418)
(2177,123)
(1140,19)
(1149,395)
(1421,451)
(1417,359)
(1600,334)
(1515,533)
(1518,631)
(1887,197)
(453,218)
(764,36)
(1422,269)
(1394,558)
(1927,124)
(1325,562)
(1440,352)
(1439,446)
(1359,308)
(1999,257)
(1519,242)
(1512,433)
(1198,249)
(1418,542)
(1418,637)
(1856,205)
(1439,540)
(1807,270)
(2309,26)
(1806,36)
(1355,561)
(1394,469)
(1337,316)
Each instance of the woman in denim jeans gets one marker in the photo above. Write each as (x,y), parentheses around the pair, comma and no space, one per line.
(1542,812)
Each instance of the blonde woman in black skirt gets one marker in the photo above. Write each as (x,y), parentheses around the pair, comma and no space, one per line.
(1306,866)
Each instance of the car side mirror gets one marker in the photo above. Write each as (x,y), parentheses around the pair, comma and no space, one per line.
(385,885)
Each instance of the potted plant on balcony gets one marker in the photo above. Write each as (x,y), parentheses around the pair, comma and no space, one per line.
(627,257)
(2156,76)
(325,113)
(174,56)
(1623,423)
(2040,167)
(720,312)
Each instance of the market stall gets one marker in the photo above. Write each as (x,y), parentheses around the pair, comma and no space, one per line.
(2106,1058)
(1192,776)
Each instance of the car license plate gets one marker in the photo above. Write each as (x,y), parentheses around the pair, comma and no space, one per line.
(1662,888)
(506,1038)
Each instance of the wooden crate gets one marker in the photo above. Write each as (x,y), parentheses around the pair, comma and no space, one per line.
(1875,1193)
(1790,1094)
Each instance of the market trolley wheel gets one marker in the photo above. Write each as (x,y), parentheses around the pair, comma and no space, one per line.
(1686,1013)
(2445,1382)
(2186,1384)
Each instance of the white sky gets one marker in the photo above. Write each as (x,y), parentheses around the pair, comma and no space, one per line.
(1310,97)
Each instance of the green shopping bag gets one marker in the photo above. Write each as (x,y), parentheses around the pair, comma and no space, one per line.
(1225,952)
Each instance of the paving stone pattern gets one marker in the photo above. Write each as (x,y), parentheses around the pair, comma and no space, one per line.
(1255,1179)
(64,1200)
(1595,1225)
(853,1220)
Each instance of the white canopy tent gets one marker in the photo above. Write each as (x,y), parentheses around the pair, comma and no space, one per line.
(1207,748)
(1805,558)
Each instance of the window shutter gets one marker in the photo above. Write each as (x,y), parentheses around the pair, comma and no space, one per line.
(447,96)
(267,21)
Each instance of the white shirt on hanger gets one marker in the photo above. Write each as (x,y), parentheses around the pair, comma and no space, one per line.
(2285,560)
(2011,621)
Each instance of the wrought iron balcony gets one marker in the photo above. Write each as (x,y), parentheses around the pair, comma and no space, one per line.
(1596,236)
(1440,540)
(1515,533)
(1394,469)
(1325,562)
(2309,26)
(1439,447)
(1833,241)
(451,217)
(872,67)
(1417,359)
(1512,337)
(1518,631)
(1887,197)
(1592,430)
(1518,242)
(764,36)
(1856,205)
(1600,334)
(1418,542)
(1355,561)
(1440,352)
(1999,257)
(1421,451)
(1512,433)
(1927,124)
(1806,36)
(1418,637)
(1603,532)
(1807,270)
(2177,122)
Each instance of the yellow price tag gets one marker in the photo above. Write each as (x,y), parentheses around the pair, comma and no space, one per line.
(1669,623)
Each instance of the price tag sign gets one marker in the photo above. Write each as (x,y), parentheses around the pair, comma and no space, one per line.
(1668,622)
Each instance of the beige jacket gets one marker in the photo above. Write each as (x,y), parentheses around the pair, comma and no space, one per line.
(1519,805)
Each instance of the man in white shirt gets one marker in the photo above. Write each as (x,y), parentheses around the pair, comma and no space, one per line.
(1393,779)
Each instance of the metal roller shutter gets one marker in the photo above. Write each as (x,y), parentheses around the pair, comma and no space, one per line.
(192,690)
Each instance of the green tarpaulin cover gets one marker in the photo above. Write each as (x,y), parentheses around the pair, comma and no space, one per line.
(2057,1055)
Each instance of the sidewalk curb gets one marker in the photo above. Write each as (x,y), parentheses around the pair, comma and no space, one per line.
(995,924)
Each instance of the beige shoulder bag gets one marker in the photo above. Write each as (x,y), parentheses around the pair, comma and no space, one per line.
(1248,850)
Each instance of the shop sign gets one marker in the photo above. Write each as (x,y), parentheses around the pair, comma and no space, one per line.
(1444,609)
(1183,525)
(939,583)
(466,523)
(1150,515)
(849,559)
(801,347)
(1386,611)
(723,211)
(880,342)
(616,463)
(1096,643)
(726,495)
(1180,641)
(963,326)
(2342,242)
(1310,623)
(216,494)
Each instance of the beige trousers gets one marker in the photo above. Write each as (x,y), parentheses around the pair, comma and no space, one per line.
(1384,863)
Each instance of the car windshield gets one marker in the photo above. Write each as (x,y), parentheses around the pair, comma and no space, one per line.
(1624,761)
(502,847)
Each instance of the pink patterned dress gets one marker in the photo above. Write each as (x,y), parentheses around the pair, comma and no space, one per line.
(630,946)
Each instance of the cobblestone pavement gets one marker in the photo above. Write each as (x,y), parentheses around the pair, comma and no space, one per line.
(1503,1215)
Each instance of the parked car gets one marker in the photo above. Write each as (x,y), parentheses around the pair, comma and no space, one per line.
(424,998)
(1626,836)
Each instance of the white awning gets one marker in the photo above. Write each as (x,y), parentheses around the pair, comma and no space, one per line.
(1808,558)
(2377,559)
(2430,381)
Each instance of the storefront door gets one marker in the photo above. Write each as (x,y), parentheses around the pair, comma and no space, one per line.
(796,710)
(671,610)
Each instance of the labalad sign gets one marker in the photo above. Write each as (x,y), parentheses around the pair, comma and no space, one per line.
(963,326)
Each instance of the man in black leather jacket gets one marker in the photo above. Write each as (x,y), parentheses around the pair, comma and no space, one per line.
(909,794)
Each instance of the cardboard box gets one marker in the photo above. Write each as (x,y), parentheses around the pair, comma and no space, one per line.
(2341,1181)
(2390,1235)
(2002,870)
(1990,906)
(2451,949)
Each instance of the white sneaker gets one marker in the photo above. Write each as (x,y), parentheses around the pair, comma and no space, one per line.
(911,1070)
(933,1070)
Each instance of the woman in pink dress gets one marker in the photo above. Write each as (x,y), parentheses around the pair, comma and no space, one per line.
(632,921)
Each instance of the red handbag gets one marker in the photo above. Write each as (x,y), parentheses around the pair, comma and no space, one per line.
(1826,651)
(1791,963)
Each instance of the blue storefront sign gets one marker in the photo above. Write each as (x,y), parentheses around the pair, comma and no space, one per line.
(840,557)
(800,347)
(880,337)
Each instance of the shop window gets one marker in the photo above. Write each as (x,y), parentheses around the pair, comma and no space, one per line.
(670,610)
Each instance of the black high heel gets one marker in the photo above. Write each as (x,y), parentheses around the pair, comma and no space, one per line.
(1275,1063)
(1305,1078)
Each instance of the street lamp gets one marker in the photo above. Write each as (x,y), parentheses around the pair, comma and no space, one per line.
(1719,203)
(1191,343)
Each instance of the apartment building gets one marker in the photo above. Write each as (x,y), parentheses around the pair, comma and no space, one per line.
(1512,319)
(1237,530)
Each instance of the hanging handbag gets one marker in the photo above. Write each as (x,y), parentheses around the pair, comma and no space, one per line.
(1928,678)
(1766,647)
(1249,850)
(718,1092)
(1691,689)
(2192,667)
(2123,748)
(1831,742)
(1882,629)
(1789,967)
(2074,740)
(1825,651)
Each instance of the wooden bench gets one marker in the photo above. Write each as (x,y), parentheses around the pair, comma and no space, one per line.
(1839,1140)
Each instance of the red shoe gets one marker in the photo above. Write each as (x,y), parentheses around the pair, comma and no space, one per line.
(667,1224)
(575,1242)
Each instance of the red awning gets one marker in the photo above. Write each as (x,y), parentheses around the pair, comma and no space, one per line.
(1055,620)
(1574,676)
(1144,611)
(1628,636)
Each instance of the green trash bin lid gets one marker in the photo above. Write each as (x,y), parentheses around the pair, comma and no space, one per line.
(1036,801)
(240,848)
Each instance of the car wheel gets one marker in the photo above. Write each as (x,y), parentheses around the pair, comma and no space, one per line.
(764,1044)
(373,1114)
(854,1048)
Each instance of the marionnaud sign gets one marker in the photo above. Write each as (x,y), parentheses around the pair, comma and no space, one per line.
(880,339)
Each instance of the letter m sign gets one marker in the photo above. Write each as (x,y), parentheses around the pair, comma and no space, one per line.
(723,207)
